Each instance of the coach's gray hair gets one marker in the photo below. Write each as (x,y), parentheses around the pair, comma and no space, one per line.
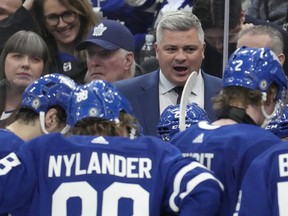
(277,42)
(180,20)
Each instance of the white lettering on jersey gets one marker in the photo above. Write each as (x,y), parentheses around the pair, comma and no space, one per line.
(90,201)
(8,162)
(283,165)
(203,158)
(129,167)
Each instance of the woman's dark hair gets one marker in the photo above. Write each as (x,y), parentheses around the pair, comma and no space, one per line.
(23,42)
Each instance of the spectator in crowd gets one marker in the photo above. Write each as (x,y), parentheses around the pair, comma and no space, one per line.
(254,88)
(273,11)
(110,52)
(15,17)
(64,24)
(212,14)
(180,50)
(263,36)
(8,8)
(137,16)
(24,59)
(105,144)
(167,6)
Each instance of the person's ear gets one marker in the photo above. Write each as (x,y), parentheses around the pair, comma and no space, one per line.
(51,121)
(156,49)
(281,58)
(129,59)
(203,50)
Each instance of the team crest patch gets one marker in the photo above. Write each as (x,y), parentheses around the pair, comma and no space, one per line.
(93,111)
(263,84)
(81,96)
(36,103)
(98,30)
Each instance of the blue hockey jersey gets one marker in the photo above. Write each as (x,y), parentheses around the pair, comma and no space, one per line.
(9,142)
(227,150)
(265,186)
(88,175)
(172,5)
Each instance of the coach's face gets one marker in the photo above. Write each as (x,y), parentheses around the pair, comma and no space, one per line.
(179,54)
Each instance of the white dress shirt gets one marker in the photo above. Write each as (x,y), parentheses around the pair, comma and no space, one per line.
(168,96)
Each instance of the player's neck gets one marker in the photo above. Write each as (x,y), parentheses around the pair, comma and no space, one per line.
(222,122)
(25,131)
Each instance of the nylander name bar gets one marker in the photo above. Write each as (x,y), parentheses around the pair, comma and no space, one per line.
(103,163)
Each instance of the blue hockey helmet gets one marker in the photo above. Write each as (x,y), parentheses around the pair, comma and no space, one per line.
(48,91)
(279,124)
(168,124)
(255,68)
(97,99)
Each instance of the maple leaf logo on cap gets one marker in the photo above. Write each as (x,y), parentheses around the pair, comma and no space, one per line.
(98,30)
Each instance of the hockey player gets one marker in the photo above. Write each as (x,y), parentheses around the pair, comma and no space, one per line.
(168,124)
(43,110)
(265,186)
(279,125)
(105,175)
(254,85)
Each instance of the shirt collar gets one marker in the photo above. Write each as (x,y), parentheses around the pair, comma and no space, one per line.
(166,86)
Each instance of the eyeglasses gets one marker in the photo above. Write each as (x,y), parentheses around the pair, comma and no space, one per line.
(68,17)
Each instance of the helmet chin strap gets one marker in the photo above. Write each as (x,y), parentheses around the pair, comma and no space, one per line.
(65,129)
(43,128)
(267,116)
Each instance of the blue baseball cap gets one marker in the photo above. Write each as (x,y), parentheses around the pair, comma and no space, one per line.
(110,35)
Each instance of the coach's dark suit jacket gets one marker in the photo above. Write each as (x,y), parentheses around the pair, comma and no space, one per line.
(143,94)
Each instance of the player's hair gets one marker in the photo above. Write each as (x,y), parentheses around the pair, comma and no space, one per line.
(27,115)
(180,20)
(211,13)
(102,127)
(277,42)
(235,95)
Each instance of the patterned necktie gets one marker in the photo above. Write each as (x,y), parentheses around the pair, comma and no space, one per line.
(178,90)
